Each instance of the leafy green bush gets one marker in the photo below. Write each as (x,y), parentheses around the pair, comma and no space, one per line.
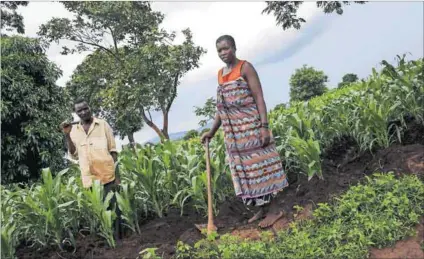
(32,107)
(191,134)
(377,213)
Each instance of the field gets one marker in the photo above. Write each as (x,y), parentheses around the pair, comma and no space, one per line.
(355,161)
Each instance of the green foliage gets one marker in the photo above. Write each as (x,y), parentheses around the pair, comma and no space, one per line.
(377,213)
(90,80)
(137,73)
(362,111)
(191,134)
(280,107)
(285,12)
(10,19)
(32,107)
(208,111)
(347,80)
(127,202)
(97,212)
(306,83)
(100,20)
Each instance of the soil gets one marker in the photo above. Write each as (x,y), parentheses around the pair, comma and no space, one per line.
(342,166)
(409,248)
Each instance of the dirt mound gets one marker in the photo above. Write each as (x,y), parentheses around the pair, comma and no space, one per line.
(402,159)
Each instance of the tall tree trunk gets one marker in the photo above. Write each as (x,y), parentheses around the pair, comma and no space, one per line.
(131,140)
(165,124)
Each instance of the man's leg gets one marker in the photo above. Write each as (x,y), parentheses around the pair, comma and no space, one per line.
(113,203)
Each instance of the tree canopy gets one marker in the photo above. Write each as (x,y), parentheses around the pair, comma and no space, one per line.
(285,12)
(348,79)
(32,107)
(208,111)
(142,67)
(306,83)
(10,19)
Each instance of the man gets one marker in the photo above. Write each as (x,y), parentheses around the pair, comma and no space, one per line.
(92,143)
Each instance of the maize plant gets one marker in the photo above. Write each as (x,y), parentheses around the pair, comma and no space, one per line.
(308,153)
(130,206)
(149,172)
(10,231)
(96,210)
(45,211)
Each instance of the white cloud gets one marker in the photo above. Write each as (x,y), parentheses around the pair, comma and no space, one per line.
(255,34)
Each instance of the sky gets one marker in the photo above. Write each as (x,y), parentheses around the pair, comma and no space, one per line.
(354,42)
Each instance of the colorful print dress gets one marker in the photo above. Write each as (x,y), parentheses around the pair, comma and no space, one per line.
(256,171)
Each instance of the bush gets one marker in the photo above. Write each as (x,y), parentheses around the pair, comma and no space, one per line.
(32,107)
(191,134)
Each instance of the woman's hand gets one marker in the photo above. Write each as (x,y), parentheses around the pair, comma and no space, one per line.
(265,137)
(206,136)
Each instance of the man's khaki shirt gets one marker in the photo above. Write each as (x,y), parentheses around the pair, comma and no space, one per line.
(92,150)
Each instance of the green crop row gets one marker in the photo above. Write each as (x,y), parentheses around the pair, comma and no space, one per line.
(377,213)
(371,112)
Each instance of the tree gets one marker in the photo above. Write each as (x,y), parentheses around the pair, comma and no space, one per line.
(306,83)
(280,107)
(191,134)
(167,65)
(10,19)
(88,81)
(32,107)
(147,68)
(285,12)
(208,111)
(348,79)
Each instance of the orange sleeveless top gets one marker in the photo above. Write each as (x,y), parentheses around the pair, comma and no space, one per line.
(233,75)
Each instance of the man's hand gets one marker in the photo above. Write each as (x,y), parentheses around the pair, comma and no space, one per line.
(265,137)
(66,127)
(117,180)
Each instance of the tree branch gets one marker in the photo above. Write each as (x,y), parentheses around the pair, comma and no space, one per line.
(150,115)
(151,124)
(114,39)
(97,45)
(174,92)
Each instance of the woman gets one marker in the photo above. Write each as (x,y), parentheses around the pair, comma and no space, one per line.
(255,164)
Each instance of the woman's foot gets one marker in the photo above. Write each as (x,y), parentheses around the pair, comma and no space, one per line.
(257,216)
(270,218)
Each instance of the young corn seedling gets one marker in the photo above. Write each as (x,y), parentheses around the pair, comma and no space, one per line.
(99,216)
(127,203)
(10,231)
(308,154)
(45,210)
(150,175)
